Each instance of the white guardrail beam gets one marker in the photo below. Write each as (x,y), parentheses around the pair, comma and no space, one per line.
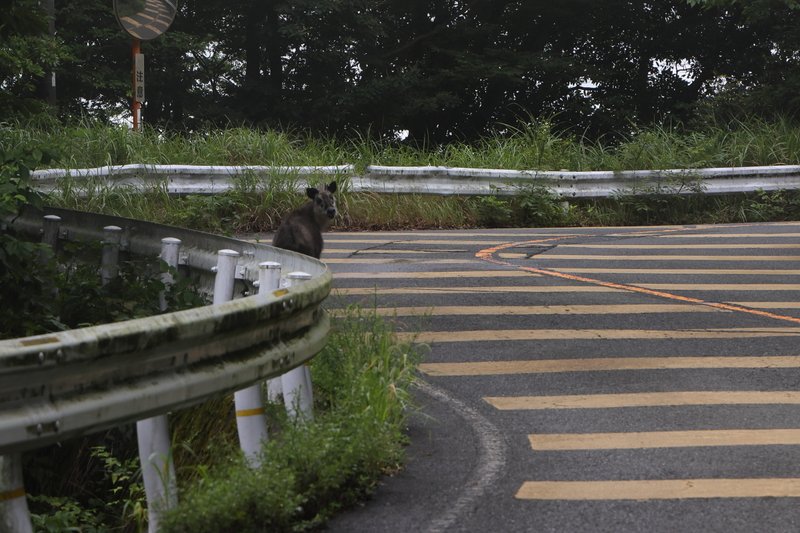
(188,179)
(64,384)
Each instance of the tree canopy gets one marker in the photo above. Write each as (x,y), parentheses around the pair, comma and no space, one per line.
(439,69)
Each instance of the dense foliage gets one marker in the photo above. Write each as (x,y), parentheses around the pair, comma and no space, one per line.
(440,70)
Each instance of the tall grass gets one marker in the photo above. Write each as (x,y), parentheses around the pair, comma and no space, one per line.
(258,205)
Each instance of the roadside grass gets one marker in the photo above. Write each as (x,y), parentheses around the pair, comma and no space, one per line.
(311,470)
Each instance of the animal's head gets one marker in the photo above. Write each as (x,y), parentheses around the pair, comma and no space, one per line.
(324,202)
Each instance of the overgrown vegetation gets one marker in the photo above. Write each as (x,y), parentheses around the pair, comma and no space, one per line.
(308,471)
(257,204)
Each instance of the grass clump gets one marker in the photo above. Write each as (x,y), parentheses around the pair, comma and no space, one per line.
(309,471)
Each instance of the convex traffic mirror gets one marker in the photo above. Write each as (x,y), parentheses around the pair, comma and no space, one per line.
(145,19)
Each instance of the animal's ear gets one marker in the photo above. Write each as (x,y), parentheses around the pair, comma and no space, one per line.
(311,192)
(331,187)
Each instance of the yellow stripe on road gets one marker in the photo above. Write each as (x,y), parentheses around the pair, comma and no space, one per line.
(729,236)
(334,236)
(770,305)
(666,489)
(721,286)
(594,334)
(436,275)
(359,291)
(662,257)
(391,261)
(664,439)
(728,246)
(518,310)
(644,399)
(684,271)
(448,240)
(602,364)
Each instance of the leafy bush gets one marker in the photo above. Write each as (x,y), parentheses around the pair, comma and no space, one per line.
(308,471)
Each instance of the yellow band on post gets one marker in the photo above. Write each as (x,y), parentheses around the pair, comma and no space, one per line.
(250,412)
(12,494)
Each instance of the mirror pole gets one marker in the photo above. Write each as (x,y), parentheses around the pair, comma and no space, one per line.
(136,105)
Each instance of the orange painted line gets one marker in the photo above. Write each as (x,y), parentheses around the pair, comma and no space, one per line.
(488,255)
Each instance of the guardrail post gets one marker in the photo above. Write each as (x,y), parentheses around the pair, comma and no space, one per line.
(158,472)
(14,515)
(109,266)
(250,422)
(170,251)
(297,392)
(50,227)
(153,433)
(269,279)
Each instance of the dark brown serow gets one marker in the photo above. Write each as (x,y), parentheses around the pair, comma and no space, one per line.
(301,230)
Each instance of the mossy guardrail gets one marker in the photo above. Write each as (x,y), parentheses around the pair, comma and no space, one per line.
(67,383)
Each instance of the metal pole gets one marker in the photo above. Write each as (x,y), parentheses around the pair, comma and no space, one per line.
(155,454)
(158,472)
(269,279)
(297,392)
(136,105)
(250,422)
(109,267)
(170,252)
(50,226)
(225,276)
(14,515)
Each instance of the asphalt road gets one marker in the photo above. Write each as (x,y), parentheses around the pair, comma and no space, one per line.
(603,379)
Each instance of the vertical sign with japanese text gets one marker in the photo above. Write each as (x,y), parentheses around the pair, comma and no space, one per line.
(138,78)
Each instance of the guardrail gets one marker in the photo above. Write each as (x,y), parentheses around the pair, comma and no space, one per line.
(64,384)
(187,179)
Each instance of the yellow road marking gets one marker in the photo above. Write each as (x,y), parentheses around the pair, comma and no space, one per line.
(487,254)
(435,275)
(384,251)
(399,261)
(600,364)
(519,310)
(358,291)
(662,257)
(729,246)
(664,439)
(643,399)
(679,271)
(770,305)
(593,334)
(446,239)
(334,236)
(748,287)
(730,236)
(662,489)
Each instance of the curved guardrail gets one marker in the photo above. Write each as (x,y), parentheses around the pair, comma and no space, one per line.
(64,384)
(188,179)
(61,384)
